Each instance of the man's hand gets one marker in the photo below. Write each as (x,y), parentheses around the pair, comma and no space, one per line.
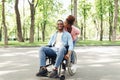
(67,56)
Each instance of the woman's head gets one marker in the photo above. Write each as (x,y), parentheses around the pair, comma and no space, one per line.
(70,20)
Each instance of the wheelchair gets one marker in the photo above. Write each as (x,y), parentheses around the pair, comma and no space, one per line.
(66,65)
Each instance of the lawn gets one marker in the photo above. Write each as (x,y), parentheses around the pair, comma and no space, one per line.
(79,43)
(98,43)
(23,44)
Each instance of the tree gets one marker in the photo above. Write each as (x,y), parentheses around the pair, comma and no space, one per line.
(71,7)
(3,24)
(101,21)
(19,30)
(110,19)
(23,23)
(0,22)
(84,8)
(100,11)
(32,10)
(0,34)
(75,11)
(46,8)
(115,19)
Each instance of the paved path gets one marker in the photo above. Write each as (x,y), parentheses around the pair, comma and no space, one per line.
(94,63)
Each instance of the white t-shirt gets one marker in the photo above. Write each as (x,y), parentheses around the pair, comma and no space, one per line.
(58,42)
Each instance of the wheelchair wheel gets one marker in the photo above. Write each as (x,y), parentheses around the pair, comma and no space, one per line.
(72,64)
(62,77)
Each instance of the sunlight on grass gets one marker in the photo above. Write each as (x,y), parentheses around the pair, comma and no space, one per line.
(17,44)
(79,43)
(97,43)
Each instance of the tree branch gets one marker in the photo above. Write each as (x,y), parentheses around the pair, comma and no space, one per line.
(36,4)
(29,2)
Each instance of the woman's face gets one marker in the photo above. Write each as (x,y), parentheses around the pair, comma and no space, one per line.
(65,24)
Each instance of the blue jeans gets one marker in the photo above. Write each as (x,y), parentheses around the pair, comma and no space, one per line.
(74,43)
(59,53)
(72,56)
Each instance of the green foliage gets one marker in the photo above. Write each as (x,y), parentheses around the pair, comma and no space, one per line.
(84,8)
(119,19)
(47,13)
(103,6)
(50,11)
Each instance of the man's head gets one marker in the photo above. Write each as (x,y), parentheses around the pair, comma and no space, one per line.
(60,25)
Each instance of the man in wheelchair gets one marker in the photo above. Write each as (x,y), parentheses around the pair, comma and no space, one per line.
(57,48)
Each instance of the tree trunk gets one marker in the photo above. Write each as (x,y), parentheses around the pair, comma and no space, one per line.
(101,31)
(43,30)
(110,20)
(101,24)
(38,33)
(19,31)
(84,21)
(84,27)
(115,20)
(4,25)
(32,10)
(1,34)
(97,29)
(23,22)
(81,37)
(75,12)
(71,7)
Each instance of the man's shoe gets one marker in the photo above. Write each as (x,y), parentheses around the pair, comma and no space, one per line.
(42,72)
(54,74)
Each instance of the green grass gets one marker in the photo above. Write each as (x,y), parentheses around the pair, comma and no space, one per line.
(98,43)
(79,43)
(23,44)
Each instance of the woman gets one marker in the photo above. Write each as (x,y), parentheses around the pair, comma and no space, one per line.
(74,31)
(69,26)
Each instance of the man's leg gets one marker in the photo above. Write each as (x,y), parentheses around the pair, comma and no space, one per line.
(43,52)
(60,55)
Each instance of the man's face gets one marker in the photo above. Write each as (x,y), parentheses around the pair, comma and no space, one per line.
(60,25)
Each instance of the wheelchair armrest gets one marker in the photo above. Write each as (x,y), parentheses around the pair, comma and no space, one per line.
(48,45)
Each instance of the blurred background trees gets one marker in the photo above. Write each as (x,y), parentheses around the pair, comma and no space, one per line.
(35,20)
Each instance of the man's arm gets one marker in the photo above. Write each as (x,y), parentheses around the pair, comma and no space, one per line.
(67,56)
(70,49)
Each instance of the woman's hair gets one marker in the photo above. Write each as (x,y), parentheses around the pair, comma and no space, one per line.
(70,19)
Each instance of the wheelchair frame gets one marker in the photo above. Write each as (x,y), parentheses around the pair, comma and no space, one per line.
(65,65)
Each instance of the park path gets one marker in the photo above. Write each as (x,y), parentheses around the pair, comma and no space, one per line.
(94,63)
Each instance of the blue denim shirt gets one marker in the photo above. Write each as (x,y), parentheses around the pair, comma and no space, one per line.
(66,39)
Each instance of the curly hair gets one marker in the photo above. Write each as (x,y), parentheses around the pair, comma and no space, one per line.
(70,19)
